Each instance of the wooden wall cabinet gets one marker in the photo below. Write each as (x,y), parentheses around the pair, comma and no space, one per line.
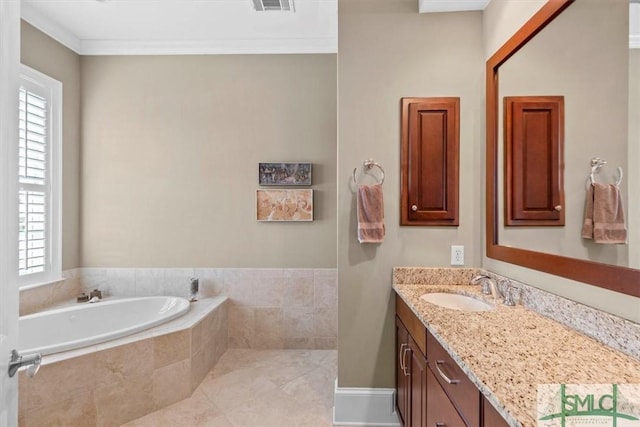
(430,151)
(432,390)
(534,146)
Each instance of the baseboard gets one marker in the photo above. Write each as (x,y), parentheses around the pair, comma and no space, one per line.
(365,407)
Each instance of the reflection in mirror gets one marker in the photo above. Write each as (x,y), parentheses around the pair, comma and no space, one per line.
(583,55)
(614,277)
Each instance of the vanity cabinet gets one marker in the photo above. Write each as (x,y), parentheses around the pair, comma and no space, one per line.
(491,417)
(441,411)
(455,383)
(432,390)
(403,390)
(411,379)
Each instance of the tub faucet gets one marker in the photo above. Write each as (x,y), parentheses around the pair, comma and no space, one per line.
(489,286)
(193,289)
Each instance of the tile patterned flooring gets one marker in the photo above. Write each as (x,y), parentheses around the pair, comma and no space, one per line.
(257,388)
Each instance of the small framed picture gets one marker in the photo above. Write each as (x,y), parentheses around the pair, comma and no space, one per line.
(284,173)
(284,205)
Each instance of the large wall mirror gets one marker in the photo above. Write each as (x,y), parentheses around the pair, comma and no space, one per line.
(579,50)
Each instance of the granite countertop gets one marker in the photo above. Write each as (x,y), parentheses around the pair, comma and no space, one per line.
(508,351)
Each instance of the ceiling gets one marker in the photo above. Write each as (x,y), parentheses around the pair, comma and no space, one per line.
(117,27)
(147,27)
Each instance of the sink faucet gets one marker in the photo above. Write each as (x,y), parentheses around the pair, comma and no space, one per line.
(489,286)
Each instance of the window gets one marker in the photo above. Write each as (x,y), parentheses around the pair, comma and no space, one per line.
(39,165)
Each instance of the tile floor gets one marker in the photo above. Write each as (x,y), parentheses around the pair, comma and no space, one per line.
(258,388)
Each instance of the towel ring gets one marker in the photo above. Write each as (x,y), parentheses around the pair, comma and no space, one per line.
(596,164)
(368,165)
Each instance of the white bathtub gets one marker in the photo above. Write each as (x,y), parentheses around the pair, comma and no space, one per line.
(85,324)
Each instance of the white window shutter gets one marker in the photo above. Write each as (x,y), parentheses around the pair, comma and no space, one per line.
(39,177)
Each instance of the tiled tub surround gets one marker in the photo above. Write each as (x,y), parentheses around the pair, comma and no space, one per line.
(508,351)
(42,297)
(269,308)
(114,382)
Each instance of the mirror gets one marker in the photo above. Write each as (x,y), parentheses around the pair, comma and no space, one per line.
(588,64)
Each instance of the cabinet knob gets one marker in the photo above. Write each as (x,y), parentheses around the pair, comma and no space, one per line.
(414,208)
(558,208)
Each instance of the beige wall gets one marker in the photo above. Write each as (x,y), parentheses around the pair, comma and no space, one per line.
(46,55)
(502,18)
(386,51)
(622,305)
(171,146)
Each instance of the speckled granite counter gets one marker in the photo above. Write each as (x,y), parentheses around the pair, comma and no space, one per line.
(508,351)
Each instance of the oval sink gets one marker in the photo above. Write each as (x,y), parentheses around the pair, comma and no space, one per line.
(456,301)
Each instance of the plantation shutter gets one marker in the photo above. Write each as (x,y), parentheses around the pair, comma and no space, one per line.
(33,182)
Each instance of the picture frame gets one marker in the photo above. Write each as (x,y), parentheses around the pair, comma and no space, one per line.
(292,173)
(284,205)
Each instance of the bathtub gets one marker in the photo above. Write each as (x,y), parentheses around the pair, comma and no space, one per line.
(81,325)
(114,382)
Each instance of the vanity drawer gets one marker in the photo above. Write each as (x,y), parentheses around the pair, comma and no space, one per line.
(415,327)
(462,392)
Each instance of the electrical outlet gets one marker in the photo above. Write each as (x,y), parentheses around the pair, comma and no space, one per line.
(457,255)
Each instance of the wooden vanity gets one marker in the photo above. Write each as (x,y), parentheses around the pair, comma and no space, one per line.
(432,390)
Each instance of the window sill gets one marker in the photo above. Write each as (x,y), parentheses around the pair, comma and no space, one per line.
(41,284)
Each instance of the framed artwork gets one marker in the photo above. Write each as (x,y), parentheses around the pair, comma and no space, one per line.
(284,173)
(284,205)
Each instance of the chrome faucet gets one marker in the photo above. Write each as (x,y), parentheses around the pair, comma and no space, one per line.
(489,286)
(193,289)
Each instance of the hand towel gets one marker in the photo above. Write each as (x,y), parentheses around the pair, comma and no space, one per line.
(608,215)
(587,225)
(370,207)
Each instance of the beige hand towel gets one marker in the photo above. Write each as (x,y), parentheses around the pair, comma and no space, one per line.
(370,207)
(608,215)
(587,226)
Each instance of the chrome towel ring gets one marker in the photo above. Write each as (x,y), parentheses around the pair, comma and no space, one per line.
(596,164)
(368,165)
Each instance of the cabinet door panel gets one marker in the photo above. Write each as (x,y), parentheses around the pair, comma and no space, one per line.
(430,161)
(534,148)
(402,380)
(440,410)
(418,369)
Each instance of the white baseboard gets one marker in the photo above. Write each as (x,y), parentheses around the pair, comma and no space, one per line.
(365,407)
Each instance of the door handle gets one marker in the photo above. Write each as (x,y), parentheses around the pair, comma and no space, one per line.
(407,372)
(31,361)
(401,358)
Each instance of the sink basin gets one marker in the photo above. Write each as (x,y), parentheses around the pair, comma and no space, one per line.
(456,301)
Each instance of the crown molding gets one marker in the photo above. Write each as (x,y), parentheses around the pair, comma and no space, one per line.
(208,47)
(430,6)
(50,28)
(172,47)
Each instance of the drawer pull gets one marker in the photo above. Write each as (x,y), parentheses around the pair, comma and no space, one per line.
(443,375)
(439,424)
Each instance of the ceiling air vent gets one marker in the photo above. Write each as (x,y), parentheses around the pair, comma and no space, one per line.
(267,5)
